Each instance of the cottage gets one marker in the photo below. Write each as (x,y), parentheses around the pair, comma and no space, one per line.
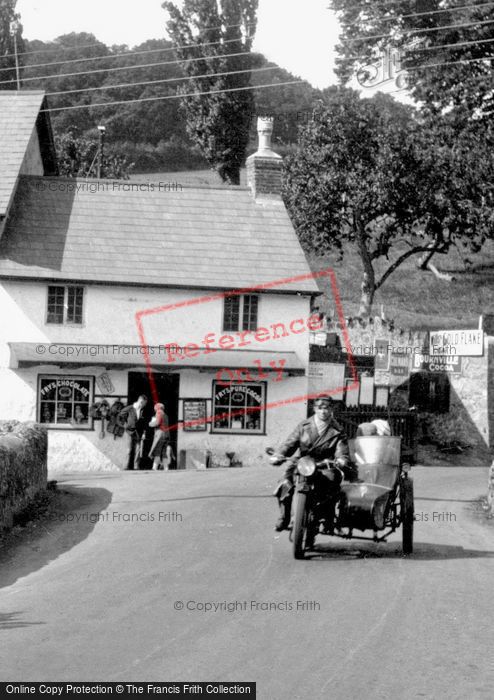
(110,292)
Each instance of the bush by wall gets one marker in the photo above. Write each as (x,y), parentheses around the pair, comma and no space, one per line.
(23,467)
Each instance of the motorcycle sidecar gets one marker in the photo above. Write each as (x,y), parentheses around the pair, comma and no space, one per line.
(382,498)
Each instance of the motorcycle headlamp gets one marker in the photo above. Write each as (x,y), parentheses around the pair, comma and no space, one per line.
(306,466)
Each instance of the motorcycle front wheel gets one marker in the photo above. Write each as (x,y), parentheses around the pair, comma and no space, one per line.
(300,526)
(407,514)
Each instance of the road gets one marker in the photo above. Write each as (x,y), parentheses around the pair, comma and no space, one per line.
(95,601)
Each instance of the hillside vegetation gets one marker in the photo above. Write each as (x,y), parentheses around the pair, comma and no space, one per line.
(79,71)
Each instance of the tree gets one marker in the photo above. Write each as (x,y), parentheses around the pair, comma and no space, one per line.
(69,54)
(8,15)
(78,157)
(371,174)
(415,28)
(217,123)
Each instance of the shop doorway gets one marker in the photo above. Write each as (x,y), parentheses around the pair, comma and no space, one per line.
(167,387)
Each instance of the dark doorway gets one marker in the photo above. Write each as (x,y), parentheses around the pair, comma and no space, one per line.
(167,388)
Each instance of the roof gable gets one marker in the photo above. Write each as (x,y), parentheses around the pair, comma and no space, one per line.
(19,114)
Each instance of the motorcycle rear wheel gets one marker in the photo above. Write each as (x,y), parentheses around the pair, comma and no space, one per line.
(300,526)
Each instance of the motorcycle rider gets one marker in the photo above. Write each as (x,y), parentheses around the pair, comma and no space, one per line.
(319,437)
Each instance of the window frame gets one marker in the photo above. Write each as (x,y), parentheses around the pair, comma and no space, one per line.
(65,426)
(65,288)
(235,431)
(241,311)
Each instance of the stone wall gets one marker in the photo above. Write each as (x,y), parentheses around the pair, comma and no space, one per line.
(23,467)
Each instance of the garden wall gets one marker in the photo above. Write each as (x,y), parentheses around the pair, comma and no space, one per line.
(470,420)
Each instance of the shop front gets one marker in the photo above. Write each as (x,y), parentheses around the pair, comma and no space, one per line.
(238,402)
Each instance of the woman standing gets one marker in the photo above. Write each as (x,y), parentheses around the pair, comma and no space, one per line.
(159,422)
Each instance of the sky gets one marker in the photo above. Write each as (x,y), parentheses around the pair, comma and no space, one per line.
(298,35)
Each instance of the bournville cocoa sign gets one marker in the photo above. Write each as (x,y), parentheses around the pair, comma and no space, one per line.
(437,363)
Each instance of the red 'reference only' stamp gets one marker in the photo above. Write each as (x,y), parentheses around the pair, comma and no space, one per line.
(177,355)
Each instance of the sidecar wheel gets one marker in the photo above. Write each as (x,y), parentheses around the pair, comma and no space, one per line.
(300,524)
(407,514)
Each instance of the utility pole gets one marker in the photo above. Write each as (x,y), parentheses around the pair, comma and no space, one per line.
(101,130)
(14,28)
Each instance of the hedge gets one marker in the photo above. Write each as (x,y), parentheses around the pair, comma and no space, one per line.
(23,467)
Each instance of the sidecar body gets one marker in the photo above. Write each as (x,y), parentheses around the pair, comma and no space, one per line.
(382,497)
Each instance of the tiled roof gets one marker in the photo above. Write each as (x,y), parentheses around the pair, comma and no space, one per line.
(18,114)
(101,232)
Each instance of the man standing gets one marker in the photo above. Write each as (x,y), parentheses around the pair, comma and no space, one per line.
(132,419)
(319,437)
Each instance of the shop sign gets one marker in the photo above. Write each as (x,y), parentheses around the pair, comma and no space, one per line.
(105,383)
(399,364)
(465,343)
(238,393)
(327,376)
(382,355)
(382,377)
(318,339)
(64,388)
(194,415)
(437,363)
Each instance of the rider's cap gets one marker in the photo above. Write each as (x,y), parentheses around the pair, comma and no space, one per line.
(323,399)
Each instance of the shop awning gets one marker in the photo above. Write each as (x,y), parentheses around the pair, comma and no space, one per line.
(162,359)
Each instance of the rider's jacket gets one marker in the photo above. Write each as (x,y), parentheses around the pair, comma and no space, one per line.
(331,444)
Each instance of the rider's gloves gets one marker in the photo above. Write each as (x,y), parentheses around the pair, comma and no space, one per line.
(277,459)
(335,475)
(341,462)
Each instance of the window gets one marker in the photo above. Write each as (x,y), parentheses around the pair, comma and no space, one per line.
(240,312)
(238,408)
(65,304)
(64,401)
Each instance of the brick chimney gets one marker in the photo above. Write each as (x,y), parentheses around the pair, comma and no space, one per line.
(264,167)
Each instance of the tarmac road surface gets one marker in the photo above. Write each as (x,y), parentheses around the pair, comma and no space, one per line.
(182,578)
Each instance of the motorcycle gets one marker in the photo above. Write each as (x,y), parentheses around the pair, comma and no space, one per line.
(381,499)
